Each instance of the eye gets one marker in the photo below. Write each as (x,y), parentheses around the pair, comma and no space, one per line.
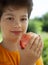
(10,18)
(23,19)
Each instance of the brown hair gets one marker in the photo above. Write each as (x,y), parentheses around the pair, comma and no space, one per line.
(21,3)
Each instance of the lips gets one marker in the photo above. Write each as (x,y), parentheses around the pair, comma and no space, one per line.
(16,32)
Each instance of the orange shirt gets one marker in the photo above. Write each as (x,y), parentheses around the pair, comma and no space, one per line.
(9,58)
(12,58)
(39,61)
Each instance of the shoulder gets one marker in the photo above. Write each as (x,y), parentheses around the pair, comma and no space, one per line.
(1,52)
(1,49)
(0,46)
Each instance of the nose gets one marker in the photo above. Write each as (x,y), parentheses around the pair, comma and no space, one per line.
(17,24)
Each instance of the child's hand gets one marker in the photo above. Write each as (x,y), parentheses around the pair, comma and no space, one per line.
(32,51)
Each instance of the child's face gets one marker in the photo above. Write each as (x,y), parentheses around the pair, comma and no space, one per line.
(14,22)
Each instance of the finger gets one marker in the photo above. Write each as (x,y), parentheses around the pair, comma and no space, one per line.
(39,43)
(33,42)
(40,48)
(33,35)
(29,44)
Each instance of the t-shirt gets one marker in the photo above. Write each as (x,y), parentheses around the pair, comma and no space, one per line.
(9,58)
(12,58)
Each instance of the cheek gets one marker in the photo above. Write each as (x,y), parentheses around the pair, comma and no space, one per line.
(24,27)
(5,28)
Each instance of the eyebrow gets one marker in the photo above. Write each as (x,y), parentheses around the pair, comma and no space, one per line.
(24,16)
(9,14)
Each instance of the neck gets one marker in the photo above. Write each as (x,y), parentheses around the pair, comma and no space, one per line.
(10,45)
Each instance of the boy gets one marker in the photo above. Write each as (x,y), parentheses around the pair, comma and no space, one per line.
(14,16)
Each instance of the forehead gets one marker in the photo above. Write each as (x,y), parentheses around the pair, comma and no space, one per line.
(17,10)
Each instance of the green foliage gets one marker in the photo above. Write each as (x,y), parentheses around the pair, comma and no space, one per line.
(45,22)
(45,50)
(45,26)
(31,26)
(34,26)
(0,37)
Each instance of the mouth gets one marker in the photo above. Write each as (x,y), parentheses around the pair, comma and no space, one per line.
(16,32)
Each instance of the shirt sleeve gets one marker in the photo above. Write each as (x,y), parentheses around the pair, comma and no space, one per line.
(40,61)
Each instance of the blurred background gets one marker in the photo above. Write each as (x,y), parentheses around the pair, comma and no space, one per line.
(38,23)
